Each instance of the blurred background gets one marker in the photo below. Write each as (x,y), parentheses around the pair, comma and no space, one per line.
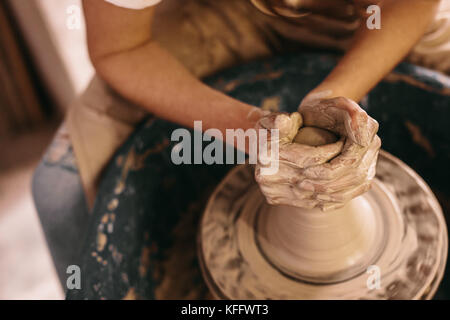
(43,65)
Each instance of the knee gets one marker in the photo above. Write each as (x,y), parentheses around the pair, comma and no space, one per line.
(58,196)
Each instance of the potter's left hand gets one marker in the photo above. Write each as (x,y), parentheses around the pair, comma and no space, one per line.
(349,174)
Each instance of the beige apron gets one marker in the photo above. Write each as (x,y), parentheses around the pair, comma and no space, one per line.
(206,36)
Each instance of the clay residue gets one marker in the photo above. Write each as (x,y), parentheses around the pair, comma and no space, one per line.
(113,204)
(230,86)
(116,255)
(107,221)
(145,261)
(397,77)
(271,104)
(131,295)
(104,219)
(101,241)
(110,228)
(418,138)
(135,161)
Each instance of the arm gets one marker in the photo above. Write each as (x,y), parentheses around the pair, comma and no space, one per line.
(129,60)
(375,53)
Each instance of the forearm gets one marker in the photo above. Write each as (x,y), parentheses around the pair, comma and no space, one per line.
(150,77)
(375,53)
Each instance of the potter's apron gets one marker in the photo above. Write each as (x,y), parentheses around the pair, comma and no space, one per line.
(207,36)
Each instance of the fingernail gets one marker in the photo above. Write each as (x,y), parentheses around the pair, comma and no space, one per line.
(331,206)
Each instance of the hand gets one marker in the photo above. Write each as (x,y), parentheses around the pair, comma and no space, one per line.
(283,186)
(326,176)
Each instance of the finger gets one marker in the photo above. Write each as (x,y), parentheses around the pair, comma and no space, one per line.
(275,191)
(325,114)
(369,160)
(342,116)
(315,97)
(255,114)
(349,194)
(361,128)
(349,159)
(300,203)
(285,174)
(286,124)
(330,206)
(304,156)
(347,181)
(341,173)
(305,203)
(268,121)
(339,200)
(349,184)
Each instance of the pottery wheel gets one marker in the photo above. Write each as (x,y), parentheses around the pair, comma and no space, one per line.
(410,251)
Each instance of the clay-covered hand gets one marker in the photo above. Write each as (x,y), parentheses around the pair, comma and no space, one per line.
(349,174)
(282,187)
(326,176)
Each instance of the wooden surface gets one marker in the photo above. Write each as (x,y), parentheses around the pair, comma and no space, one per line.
(19,103)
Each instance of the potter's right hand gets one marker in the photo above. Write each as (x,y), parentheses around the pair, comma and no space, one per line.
(350,174)
(327,176)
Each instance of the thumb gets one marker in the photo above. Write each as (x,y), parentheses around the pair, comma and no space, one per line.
(313,97)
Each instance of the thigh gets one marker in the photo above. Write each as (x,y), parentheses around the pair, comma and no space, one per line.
(60,203)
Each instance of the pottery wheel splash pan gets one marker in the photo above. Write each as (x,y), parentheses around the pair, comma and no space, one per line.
(411,262)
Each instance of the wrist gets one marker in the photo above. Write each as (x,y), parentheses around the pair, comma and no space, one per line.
(317,94)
